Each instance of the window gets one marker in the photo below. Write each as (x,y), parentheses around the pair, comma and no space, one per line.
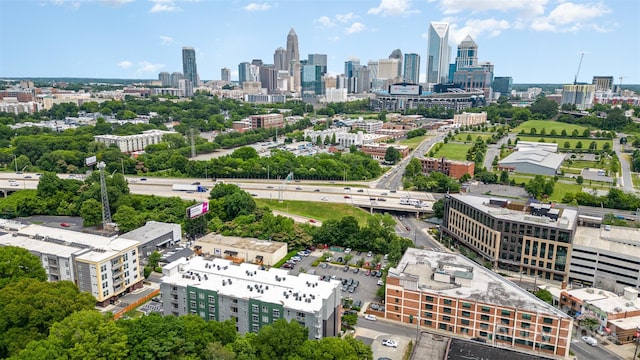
(255,328)
(201,296)
(192,304)
(447,301)
(428,298)
(254,318)
(212,309)
(464,330)
(397,300)
(428,323)
(547,320)
(524,333)
(443,326)
(446,310)
(212,316)
(526,316)
(428,306)
(466,314)
(211,299)
(484,326)
(446,318)
(428,314)
(466,305)
(265,309)
(192,295)
(265,319)
(486,309)
(506,313)
(525,325)
(254,308)
(504,321)
(396,307)
(546,329)
(464,321)
(484,317)
(483,333)
(276,313)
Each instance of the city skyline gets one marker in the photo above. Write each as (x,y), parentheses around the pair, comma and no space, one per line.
(535,41)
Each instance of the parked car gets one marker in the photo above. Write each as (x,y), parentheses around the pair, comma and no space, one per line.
(367,273)
(357,303)
(351,289)
(590,340)
(287,266)
(369,254)
(390,343)
(324,265)
(324,198)
(380,282)
(269,187)
(347,250)
(356,270)
(312,221)
(298,188)
(370,317)
(316,190)
(64,224)
(346,268)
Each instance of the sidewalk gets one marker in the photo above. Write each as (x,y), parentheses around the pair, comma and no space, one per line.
(624,351)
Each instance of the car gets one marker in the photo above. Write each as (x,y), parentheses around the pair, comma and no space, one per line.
(296,258)
(12,180)
(347,250)
(143,179)
(379,274)
(590,340)
(196,183)
(372,198)
(339,259)
(382,199)
(408,228)
(355,283)
(351,289)
(357,303)
(334,277)
(344,287)
(298,188)
(390,343)
(360,190)
(346,268)
(254,194)
(190,192)
(393,191)
(287,265)
(350,282)
(303,253)
(478,339)
(27,176)
(367,273)
(369,254)
(380,282)
(384,194)
(312,221)
(324,265)
(324,198)
(356,270)
(316,190)
(64,224)
(374,306)
(269,187)
(14,184)
(347,197)
(370,317)
(347,188)
(133,180)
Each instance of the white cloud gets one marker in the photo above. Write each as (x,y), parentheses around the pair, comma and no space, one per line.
(166,40)
(571,17)
(163,6)
(116,3)
(125,64)
(333,38)
(477,27)
(356,27)
(145,67)
(392,8)
(345,17)
(325,21)
(524,7)
(74,4)
(257,7)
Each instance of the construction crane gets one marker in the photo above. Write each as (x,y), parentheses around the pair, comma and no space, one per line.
(621,77)
(575,80)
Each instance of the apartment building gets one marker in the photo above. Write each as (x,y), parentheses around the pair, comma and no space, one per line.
(132,143)
(606,258)
(470,119)
(105,267)
(445,292)
(267,121)
(453,168)
(619,315)
(379,150)
(530,238)
(220,290)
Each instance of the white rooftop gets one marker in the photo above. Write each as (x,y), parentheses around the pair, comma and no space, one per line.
(248,281)
(484,285)
(618,239)
(591,294)
(629,323)
(618,304)
(536,157)
(40,246)
(150,231)
(566,218)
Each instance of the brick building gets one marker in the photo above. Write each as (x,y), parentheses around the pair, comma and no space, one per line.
(267,121)
(453,168)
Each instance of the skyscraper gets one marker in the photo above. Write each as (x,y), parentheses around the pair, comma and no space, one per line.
(467,55)
(292,47)
(165,78)
(438,53)
(318,59)
(225,74)
(243,72)
(280,59)
(189,68)
(412,68)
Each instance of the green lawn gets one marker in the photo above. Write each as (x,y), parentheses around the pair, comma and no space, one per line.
(474,135)
(560,189)
(413,142)
(453,151)
(572,141)
(317,210)
(547,125)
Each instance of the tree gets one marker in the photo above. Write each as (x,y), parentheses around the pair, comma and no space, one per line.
(414,167)
(544,107)
(579,145)
(504,177)
(567,144)
(91,212)
(85,334)
(544,295)
(127,218)
(29,307)
(333,348)
(279,340)
(579,180)
(392,155)
(18,263)
(438,208)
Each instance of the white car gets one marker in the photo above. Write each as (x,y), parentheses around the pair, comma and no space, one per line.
(347,250)
(14,184)
(324,198)
(390,343)
(589,340)
(370,317)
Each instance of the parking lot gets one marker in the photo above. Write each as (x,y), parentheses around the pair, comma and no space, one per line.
(367,286)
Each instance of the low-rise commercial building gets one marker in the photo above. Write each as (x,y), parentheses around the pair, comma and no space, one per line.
(131,143)
(267,121)
(453,168)
(154,235)
(538,162)
(450,293)
(378,150)
(240,249)
(520,237)
(220,290)
(606,258)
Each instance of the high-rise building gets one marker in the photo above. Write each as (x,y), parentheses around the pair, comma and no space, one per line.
(225,74)
(268,77)
(186,87)
(243,72)
(175,78)
(467,55)
(603,83)
(580,95)
(280,59)
(318,59)
(312,79)
(389,68)
(189,68)
(165,78)
(411,69)
(351,68)
(502,85)
(293,54)
(438,53)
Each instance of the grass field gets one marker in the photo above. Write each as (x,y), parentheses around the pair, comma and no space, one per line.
(453,151)
(321,211)
(547,125)
(572,141)
(560,189)
(413,142)
(474,135)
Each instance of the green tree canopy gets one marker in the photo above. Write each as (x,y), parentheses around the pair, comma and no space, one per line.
(17,263)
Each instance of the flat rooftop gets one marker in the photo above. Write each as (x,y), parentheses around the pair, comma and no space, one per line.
(263,246)
(618,239)
(591,294)
(619,304)
(40,246)
(630,323)
(566,219)
(151,231)
(304,292)
(484,285)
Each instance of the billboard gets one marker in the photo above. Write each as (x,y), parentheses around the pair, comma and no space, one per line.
(90,160)
(197,210)
(405,89)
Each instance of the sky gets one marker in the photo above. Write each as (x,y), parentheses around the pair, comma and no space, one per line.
(533,41)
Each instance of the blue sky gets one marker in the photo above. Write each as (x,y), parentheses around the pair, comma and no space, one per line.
(534,41)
